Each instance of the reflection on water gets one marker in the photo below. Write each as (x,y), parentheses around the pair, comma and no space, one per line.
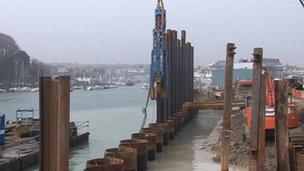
(185,153)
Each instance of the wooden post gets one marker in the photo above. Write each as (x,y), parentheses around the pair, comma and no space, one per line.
(54,123)
(227,107)
(256,109)
(281,125)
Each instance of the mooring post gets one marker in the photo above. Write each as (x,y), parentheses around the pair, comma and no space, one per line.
(54,123)
(227,106)
(281,125)
(256,108)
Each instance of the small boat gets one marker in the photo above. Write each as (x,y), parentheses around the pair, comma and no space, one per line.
(20,89)
(145,86)
(36,89)
(77,87)
(98,87)
(90,88)
(113,86)
(2,91)
(27,125)
(24,89)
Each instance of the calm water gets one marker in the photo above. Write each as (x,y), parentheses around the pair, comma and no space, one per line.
(115,114)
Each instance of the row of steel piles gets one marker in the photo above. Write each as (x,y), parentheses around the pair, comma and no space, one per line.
(134,154)
(174,116)
(180,64)
(54,123)
(288,159)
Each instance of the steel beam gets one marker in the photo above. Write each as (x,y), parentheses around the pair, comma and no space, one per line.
(183,67)
(227,107)
(256,98)
(261,126)
(54,123)
(174,72)
(179,73)
(281,125)
(168,100)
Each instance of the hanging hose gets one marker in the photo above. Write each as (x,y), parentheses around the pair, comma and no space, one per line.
(144,109)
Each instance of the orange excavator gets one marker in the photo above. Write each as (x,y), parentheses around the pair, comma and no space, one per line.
(293,121)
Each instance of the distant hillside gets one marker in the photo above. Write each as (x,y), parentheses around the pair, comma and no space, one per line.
(16,66)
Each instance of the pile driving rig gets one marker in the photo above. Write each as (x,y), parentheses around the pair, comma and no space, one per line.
(158,70)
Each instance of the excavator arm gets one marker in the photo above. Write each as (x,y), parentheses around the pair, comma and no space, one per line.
(270,91)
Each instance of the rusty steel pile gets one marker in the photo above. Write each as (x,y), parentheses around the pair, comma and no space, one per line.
(289,156)
(134,153)
(172,114)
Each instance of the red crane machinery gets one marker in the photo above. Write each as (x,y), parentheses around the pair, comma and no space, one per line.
(293,121)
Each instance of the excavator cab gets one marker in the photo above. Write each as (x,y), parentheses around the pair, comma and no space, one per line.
(293,120)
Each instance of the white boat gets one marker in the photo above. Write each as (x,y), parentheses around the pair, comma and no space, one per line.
(113,86)
(98,87)
(145,86)
(90,88)
(36,89)
(24,89)
(77,88)
(2,91)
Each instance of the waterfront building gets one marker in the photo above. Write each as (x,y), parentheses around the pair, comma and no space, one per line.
(243,70)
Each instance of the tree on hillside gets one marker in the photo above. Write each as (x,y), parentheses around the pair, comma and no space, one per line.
(16,65)
(7,45)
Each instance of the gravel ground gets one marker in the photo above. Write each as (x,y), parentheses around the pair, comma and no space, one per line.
(239,144)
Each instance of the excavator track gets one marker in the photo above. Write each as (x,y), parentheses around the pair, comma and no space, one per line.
(296,137)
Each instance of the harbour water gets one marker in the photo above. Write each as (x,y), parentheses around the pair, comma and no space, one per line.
(114,114)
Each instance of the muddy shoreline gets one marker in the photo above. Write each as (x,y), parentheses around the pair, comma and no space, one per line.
(239,144)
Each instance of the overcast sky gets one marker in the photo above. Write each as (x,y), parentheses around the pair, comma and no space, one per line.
(120,31)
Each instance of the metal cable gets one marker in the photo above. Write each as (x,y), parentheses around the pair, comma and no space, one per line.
(144,109)
(302,2)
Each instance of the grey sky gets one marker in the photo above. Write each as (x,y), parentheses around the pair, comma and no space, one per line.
(120,31)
